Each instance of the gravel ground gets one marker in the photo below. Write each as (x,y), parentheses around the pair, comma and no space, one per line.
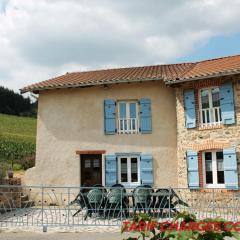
(64,236)
(58,236)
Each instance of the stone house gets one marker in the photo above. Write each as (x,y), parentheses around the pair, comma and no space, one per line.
(172,125)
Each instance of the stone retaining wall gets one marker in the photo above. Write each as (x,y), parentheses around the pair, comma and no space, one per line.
(10,197)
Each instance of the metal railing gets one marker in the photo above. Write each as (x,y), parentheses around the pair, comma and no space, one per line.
(100,206)
(210,117)
(128,125)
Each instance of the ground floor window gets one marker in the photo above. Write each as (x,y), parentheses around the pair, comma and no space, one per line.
(128,170)
(213,170)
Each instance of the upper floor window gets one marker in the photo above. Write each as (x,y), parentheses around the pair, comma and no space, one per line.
(213,170)
(129,170)
(209,109)
(128,121)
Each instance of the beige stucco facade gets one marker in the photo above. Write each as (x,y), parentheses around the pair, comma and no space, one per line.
(72,119)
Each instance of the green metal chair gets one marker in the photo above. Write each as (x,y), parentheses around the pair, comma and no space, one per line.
(95,202)
(116,202)
(80,200)
(142,198)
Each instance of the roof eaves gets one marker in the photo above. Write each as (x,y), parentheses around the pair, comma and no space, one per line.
(189,79)
(86,84)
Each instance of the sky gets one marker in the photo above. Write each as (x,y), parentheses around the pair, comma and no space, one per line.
(40,39)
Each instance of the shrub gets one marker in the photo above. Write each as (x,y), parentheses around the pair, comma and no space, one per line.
(17,167)
(184,226)
(28,162)
(3,170)
(17,151)
(14,148)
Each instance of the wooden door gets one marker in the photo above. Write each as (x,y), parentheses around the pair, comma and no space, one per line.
(91,169)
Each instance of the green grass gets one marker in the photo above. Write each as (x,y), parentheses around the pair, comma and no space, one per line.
(18,127)
(17,139)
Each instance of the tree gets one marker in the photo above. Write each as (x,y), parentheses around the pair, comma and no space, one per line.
(15,104)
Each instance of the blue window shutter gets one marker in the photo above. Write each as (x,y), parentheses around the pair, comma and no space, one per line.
(189,106)
(145,116)
(109,116)
(227,103)
(193,173)
(230,168)
(110,170)
(146,167)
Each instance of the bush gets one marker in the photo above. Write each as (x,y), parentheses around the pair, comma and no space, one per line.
(17,151)
(17,167)
(28,162)
(14,148)
(3,170)
(184,226)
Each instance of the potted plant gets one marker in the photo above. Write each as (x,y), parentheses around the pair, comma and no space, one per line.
(10,173)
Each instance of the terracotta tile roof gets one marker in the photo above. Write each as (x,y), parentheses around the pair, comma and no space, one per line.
(170,74)
(211,68)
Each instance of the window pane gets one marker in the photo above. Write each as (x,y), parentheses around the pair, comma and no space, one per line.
(122,110)
(209,177)
(205,99)
(134,169)
(208,156)
(209,165)
(220,177)
(215,97)
(220,155)
(96,163)
(220,165)
(124,170)
(133,110)
(220,168)
(208,116)
(87,163)
(208,168)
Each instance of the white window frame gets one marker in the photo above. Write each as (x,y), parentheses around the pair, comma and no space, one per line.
(128,119)
(210,109)
(214,170)
(129,182)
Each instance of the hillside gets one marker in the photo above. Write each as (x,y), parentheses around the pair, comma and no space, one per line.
(17,141)
(18,127)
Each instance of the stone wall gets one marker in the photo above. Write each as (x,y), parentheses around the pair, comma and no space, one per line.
(204,139)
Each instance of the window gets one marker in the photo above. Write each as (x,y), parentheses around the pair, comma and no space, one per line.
(129,170)
(128,117)
(210,111)
(213,170)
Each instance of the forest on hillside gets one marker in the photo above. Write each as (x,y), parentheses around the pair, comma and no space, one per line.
(13,103)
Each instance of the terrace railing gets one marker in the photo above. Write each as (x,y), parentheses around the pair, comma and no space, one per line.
(128,125)
(70,206)
(210,117)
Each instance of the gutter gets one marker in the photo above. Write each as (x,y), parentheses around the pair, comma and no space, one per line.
(38,89)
